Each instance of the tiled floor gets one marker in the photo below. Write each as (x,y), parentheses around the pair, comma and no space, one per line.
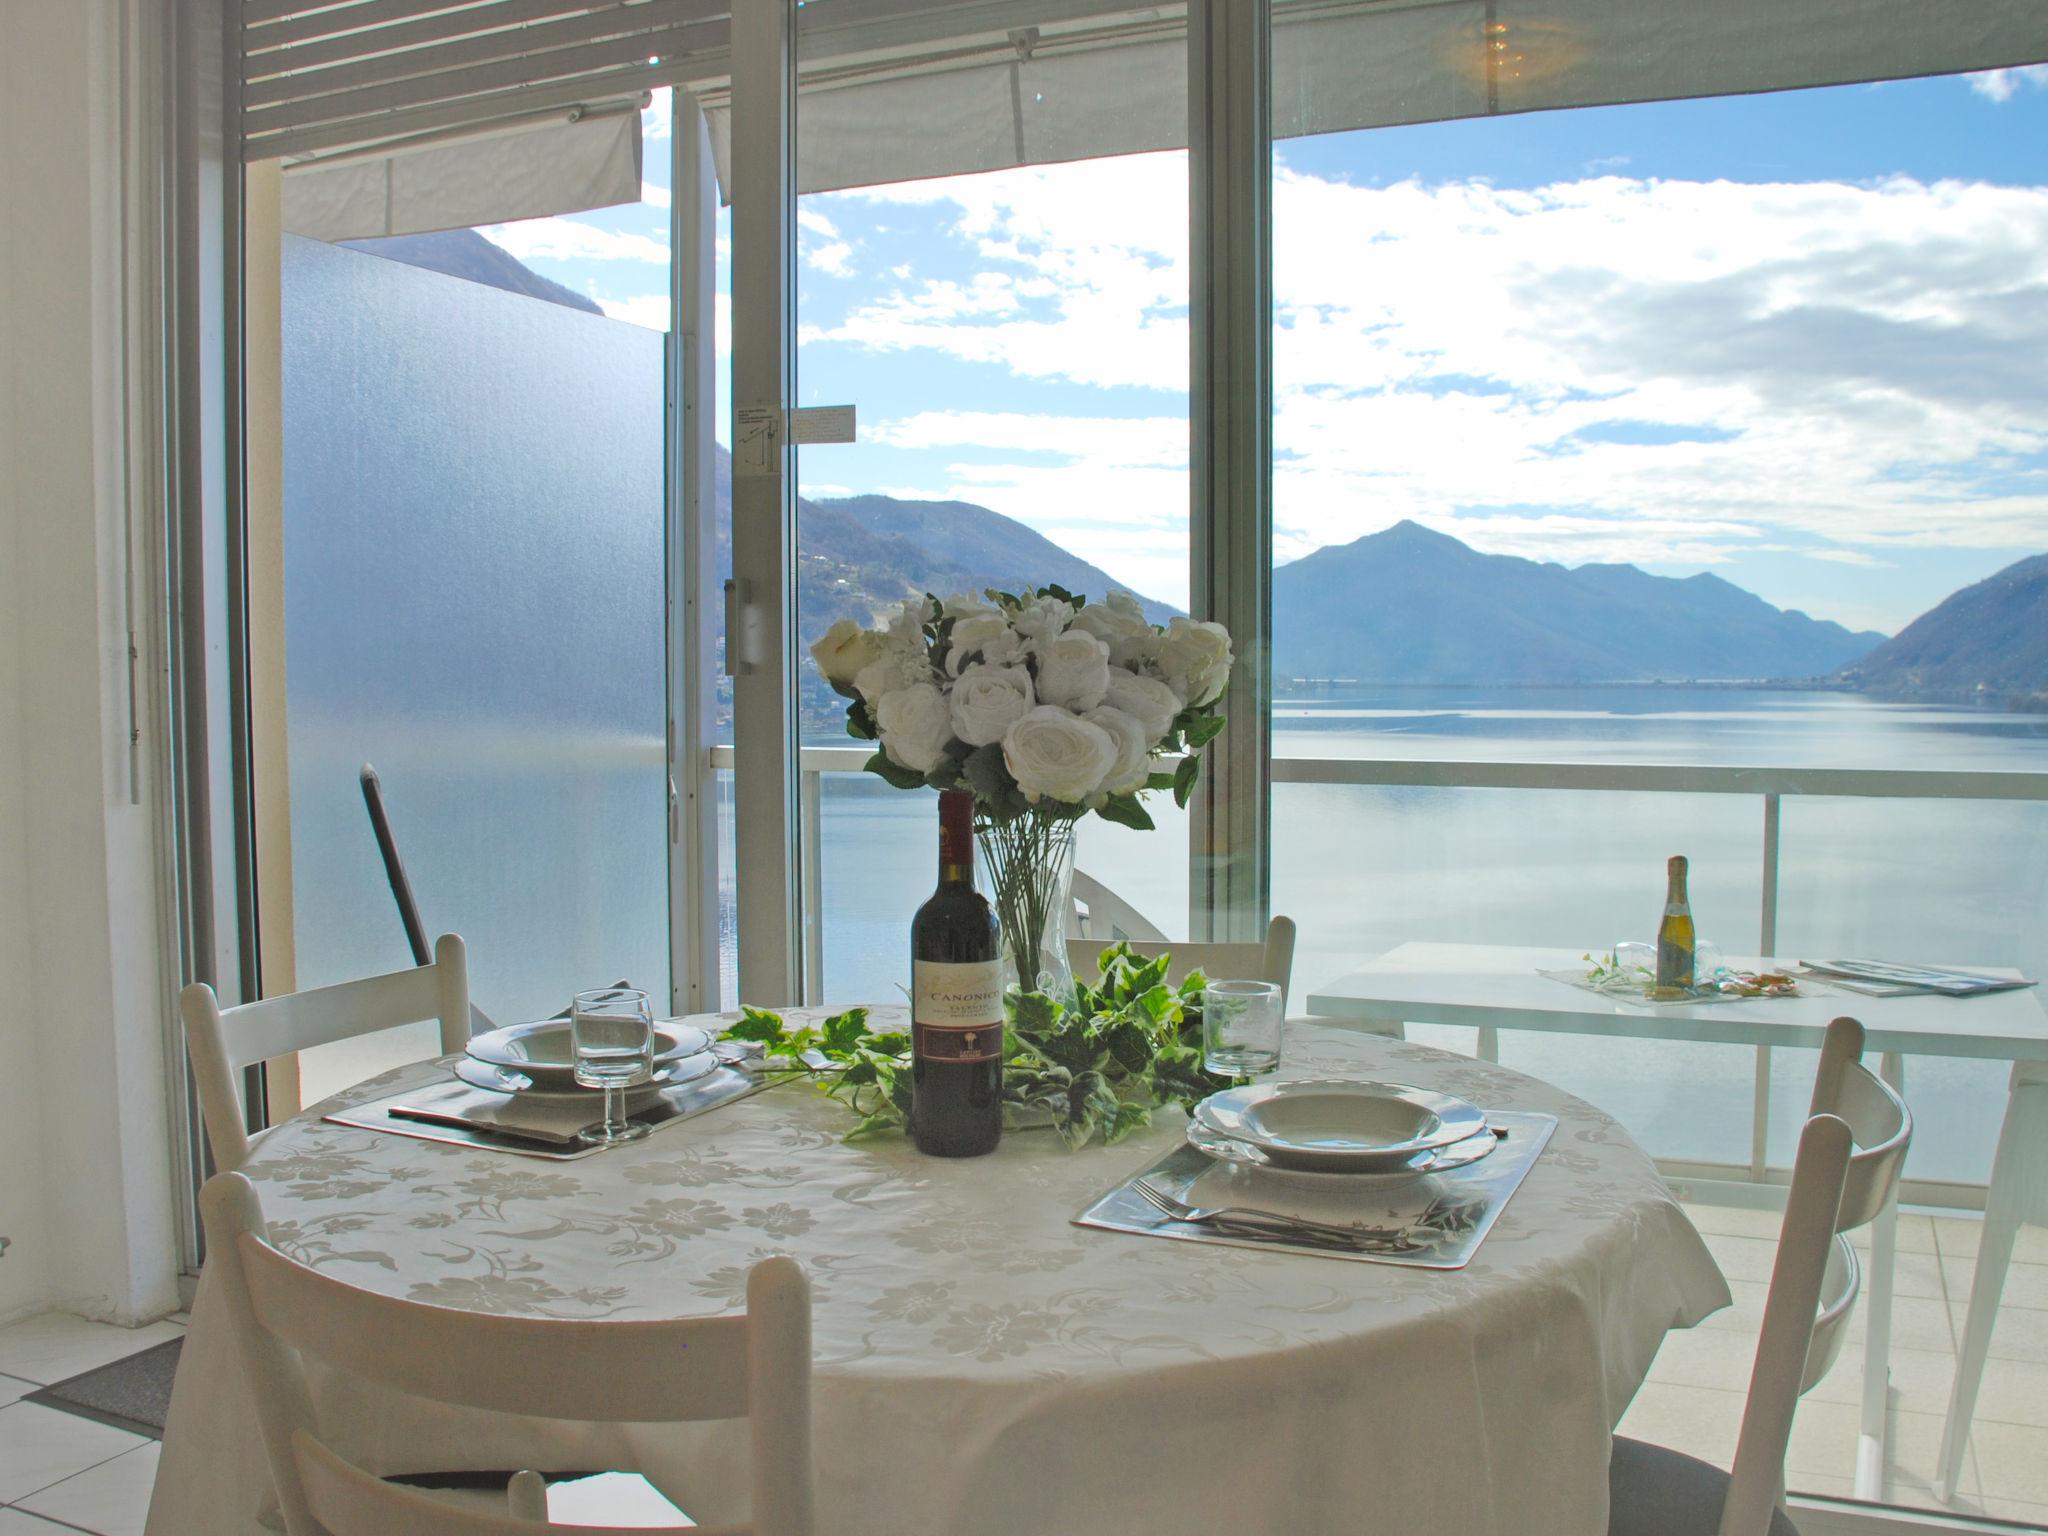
(59,1472)
(1693,1399)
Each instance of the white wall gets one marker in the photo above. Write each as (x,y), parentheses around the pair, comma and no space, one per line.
(85,1178)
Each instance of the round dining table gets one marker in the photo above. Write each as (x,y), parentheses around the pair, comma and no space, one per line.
(982,1364)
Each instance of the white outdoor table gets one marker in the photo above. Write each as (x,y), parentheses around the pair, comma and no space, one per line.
(1496,987)
(983,1365)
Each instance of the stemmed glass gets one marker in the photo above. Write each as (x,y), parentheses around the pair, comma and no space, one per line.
(612,1030)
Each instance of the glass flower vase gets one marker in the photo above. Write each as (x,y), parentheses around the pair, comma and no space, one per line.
(1026,871)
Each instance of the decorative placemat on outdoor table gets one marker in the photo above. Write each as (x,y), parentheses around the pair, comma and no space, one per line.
(1428,1221)
(503,1119)
(1638,997)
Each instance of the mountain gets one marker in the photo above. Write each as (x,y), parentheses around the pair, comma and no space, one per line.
(1409,605)
(466,254)
(1987,643)
(1405,605)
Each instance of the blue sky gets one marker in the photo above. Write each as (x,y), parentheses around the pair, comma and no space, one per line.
(1797,339)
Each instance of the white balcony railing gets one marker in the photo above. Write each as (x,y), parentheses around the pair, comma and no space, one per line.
(1771,785)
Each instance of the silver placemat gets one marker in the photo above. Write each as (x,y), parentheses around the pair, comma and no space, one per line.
(511,1113)
(1441,1217)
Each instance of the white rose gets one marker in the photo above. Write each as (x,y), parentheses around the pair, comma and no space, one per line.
(1073,670)
(915,726)
(844,649)
(1194,657)
(1042,618)
(964,605)
(1133,765)
(975,634)
(987,701)
(898,666)
(1145,699)
(1117,618)
(906,624)
(1052,753)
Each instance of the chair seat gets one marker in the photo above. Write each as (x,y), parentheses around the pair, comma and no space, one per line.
(1655,1491)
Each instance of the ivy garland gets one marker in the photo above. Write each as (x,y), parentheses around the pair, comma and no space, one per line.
(1130,1044)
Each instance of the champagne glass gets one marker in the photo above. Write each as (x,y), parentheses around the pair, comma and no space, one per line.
(612,1030)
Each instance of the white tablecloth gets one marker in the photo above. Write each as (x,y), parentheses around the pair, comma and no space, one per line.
(984,1366)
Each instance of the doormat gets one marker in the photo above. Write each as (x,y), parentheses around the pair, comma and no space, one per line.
(132,1394)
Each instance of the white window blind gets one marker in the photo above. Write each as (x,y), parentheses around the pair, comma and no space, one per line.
(894,89)
(373,72)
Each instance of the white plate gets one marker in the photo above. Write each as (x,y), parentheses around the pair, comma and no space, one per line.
(496,1079)
(543,1049)
(1242,1154)
(1338,1124)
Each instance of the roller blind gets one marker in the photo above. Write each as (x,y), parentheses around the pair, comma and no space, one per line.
(563,163)
(927,92)
(364,73)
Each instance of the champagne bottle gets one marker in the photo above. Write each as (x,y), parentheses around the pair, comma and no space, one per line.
(1675,944)
(956,1011)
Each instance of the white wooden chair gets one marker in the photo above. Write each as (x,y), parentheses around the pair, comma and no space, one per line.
(1099,913)
(1271,961)
(1848,1165)
(756,1366)
(223,1043)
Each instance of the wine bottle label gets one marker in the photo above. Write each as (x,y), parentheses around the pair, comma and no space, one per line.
(953,996)
(957,1010)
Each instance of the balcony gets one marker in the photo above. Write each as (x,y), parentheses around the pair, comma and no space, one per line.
(1769,845)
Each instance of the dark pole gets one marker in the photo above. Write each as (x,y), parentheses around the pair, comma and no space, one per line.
(394,867)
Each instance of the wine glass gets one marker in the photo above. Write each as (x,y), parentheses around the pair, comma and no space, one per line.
(612,1030)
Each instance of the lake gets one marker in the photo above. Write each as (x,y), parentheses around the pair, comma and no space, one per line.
(1362,869)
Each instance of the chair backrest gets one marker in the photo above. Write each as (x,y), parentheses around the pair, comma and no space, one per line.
(1848,1164)
(223,1042)
(1108,917)
(1271,961)
(756,1366)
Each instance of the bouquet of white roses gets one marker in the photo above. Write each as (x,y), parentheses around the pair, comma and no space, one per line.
(1043,706)
(1040,703)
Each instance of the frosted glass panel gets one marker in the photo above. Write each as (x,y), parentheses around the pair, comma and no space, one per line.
(474,603)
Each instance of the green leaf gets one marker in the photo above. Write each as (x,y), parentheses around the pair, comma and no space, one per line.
(1128,1043)
(757,1024)
(1125,811)
(895,1043)
(1202,730)
(859,725)
(1159,781)
(989,775)
(1124,1119)
(1032,1014)
(843,1031)
(1184,778)
(886,767)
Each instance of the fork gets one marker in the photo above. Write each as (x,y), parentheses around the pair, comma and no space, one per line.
(1274,1224)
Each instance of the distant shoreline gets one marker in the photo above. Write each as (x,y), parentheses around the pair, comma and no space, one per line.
(2012,703)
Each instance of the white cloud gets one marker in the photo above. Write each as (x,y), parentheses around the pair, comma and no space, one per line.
(1114,490)
(567,240)
(2004,84)
(648,309)
(808,218)
(1610,368)
(656,196)
(832,259)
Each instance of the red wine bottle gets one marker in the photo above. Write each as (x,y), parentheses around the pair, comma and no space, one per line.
(956,1009)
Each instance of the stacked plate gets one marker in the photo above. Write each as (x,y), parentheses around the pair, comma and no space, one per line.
(1339,1127)
(539,1059)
